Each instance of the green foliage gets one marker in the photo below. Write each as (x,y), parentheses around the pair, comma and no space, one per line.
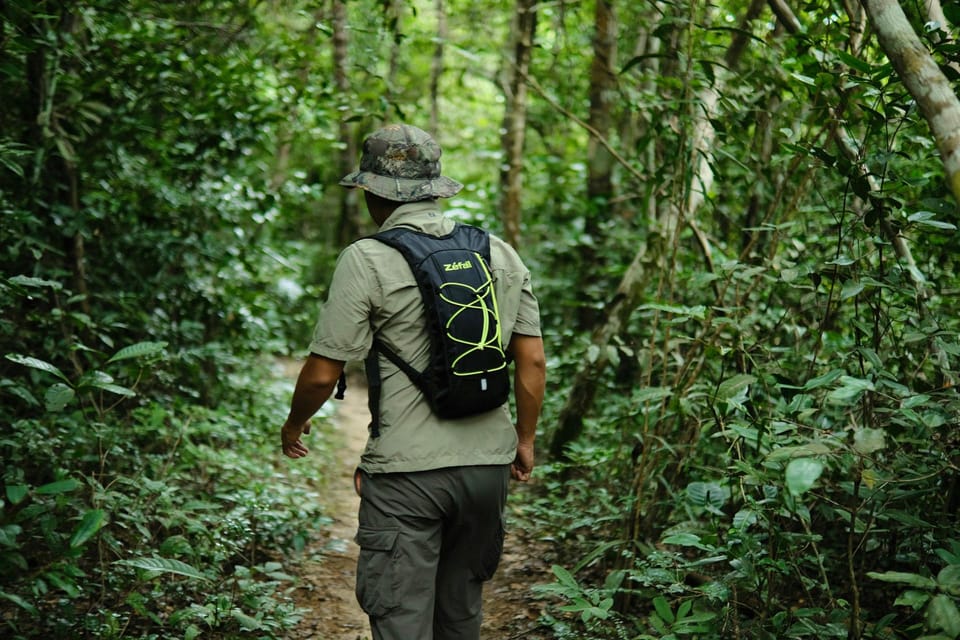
(167,522)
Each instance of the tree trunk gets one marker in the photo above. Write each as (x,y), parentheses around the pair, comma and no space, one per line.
(924,80)
(580,399)
(349,223)
(603,84)
(436,69)
(522,35)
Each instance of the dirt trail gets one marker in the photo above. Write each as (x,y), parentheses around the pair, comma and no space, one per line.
(327,576)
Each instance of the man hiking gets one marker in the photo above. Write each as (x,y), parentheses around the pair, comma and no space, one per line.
(442,444)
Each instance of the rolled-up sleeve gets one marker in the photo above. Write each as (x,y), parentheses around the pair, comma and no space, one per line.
(343,330)
(528,314)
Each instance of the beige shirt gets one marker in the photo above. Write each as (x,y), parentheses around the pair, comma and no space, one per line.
(373,292)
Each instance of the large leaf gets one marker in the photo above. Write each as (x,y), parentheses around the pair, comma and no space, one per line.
(707,494)
(164,565)
(60,486)
(17,600)
(949,579)
(29,281)
(868,440)
(901,577)
(731,387)
(36,363)
(16,492)
(138,350)
(58,396)
(802,474)
(92,522)
(942,614)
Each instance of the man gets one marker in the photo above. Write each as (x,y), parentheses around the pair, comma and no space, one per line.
(432,491)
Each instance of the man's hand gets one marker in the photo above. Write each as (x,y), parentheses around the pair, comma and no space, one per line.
(293,447)
(522,465)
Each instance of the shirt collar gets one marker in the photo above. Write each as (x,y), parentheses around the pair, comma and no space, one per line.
(423,216)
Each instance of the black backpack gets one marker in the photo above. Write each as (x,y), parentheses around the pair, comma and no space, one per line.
(467,373)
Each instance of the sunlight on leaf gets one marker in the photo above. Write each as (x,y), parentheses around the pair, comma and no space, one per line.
(802,474)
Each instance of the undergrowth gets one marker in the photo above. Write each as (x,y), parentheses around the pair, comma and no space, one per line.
(133,517)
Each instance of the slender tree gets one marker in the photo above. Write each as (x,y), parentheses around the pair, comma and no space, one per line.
(924,80)
(436,68)
(349,223)
(514,85)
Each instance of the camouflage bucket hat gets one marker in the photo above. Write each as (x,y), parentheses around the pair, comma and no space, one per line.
(402,163)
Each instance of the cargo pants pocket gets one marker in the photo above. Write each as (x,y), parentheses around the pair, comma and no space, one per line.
(377,571)
(490,557)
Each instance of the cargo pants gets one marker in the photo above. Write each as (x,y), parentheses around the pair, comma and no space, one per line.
(428,540)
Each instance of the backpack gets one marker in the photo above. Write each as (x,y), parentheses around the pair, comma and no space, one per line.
(467,372)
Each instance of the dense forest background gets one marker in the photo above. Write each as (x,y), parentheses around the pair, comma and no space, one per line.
(741,220)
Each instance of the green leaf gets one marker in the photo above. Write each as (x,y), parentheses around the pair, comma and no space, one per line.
(20,602)
(913,599)
(92,522)
(138,350)
(60,486)
(802,474)
(164,565)
(8,535)
(731,387)
(565,577)
(248,623)
(914,401)
(869,440)
(698,312)
(16,493)
(853,62)
(942,614)
(823,380)
(926,218)
(686,540)
(949,579)
(951,10)
(117,389)
(744,518)
(850,289)
(104,381)
(27,281)
(663,610)
(815,448)
(850,388)
(703,494)
(36,363)
(900,577)
(57,397)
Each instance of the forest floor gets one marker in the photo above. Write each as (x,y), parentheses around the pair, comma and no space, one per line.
(327,574)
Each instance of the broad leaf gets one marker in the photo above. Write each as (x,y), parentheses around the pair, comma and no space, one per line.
(16,492)
(20,602)
(731,387)
(868,440)
(36,363)
(802,474)
(942,614)
(164,565)
(57,397)
(138,350)
(949,579)
(901,577)
(60,486)
(92,522)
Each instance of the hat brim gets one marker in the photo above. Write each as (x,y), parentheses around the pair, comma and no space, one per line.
(402,189)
